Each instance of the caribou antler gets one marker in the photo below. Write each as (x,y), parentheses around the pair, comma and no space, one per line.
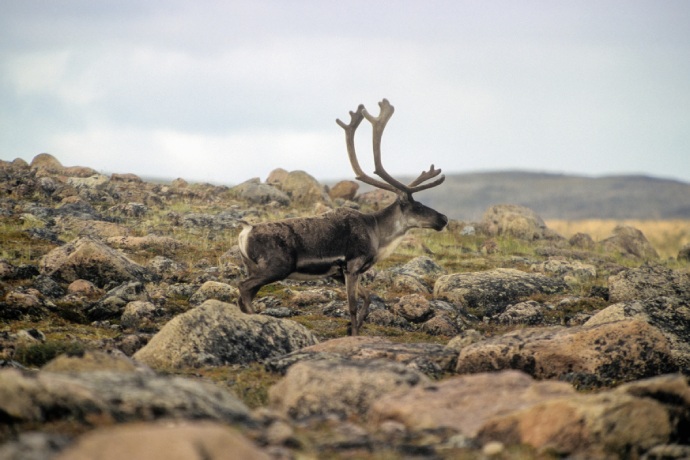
(378,125)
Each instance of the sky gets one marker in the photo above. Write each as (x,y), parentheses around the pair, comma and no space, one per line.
(225,91)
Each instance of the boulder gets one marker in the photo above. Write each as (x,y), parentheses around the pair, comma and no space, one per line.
(108,396)
(516,221)
(587,356)
(648,281)
(309,389)
(684,253)
(277,177)
(215,290)
(487,293)
(629,241)
(303,189)
(90,259)
(163,441)
(255,192)
(113,304)
(217,333)
(414,308)
(344,190)
(671,315)
(511,408)
(139,314)
(582,241)
(529,312)
(572,271)
(430,358)
(45,163)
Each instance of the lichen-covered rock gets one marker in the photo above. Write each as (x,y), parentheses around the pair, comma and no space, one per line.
(414,308)
(671,315)
(215,290)
(345,190)
(648,281)
(113,304)
(138,314)
(488,293)
(511,408)
(430,358)
(309,389)
(572,271)
(113,396)
(303,189)
(217,333)
(163,441)
(629,241)
(150,242)
(517,221)
(254,192)
(530,313)
(90,259)
(587,356)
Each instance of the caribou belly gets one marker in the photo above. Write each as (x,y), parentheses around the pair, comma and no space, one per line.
(315,268)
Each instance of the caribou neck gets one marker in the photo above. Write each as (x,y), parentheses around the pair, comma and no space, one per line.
(390,224)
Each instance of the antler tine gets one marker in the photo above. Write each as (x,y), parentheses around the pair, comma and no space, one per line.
(379,124)
(355,119)
(425,176)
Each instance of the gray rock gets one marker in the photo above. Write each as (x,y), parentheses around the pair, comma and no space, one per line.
(629,241)
(116,396)
(429,358)
(215,290)
(138,314)
(255,192)
(488,293)
(516,221)
(309,389)
(113,304)
(89,259)
(217,333)
(648,281)
(530,313)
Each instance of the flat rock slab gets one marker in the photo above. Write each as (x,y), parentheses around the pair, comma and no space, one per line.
(217,333)
(429,358)
(489,292)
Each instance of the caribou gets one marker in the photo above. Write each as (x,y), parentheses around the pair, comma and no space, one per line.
(344,243)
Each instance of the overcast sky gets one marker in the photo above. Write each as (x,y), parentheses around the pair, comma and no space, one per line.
(229,90)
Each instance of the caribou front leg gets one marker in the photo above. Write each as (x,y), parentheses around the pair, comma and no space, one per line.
(351,286)
(363,311)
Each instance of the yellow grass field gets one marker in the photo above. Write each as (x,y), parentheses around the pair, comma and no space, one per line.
(667,236)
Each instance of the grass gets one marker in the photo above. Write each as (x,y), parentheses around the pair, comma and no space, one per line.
(666,236)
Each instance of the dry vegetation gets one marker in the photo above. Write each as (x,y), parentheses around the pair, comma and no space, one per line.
(667,236)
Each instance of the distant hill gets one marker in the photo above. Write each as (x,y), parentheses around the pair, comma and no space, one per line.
(558,196)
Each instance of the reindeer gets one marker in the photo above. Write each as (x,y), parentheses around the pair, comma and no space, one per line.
(342,244)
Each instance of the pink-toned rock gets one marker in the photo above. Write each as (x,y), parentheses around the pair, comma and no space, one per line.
(163,441)
(345,190)
(587,356)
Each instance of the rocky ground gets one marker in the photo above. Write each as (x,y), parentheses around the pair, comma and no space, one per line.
(120,337)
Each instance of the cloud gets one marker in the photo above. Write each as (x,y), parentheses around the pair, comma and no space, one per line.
(194,89)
